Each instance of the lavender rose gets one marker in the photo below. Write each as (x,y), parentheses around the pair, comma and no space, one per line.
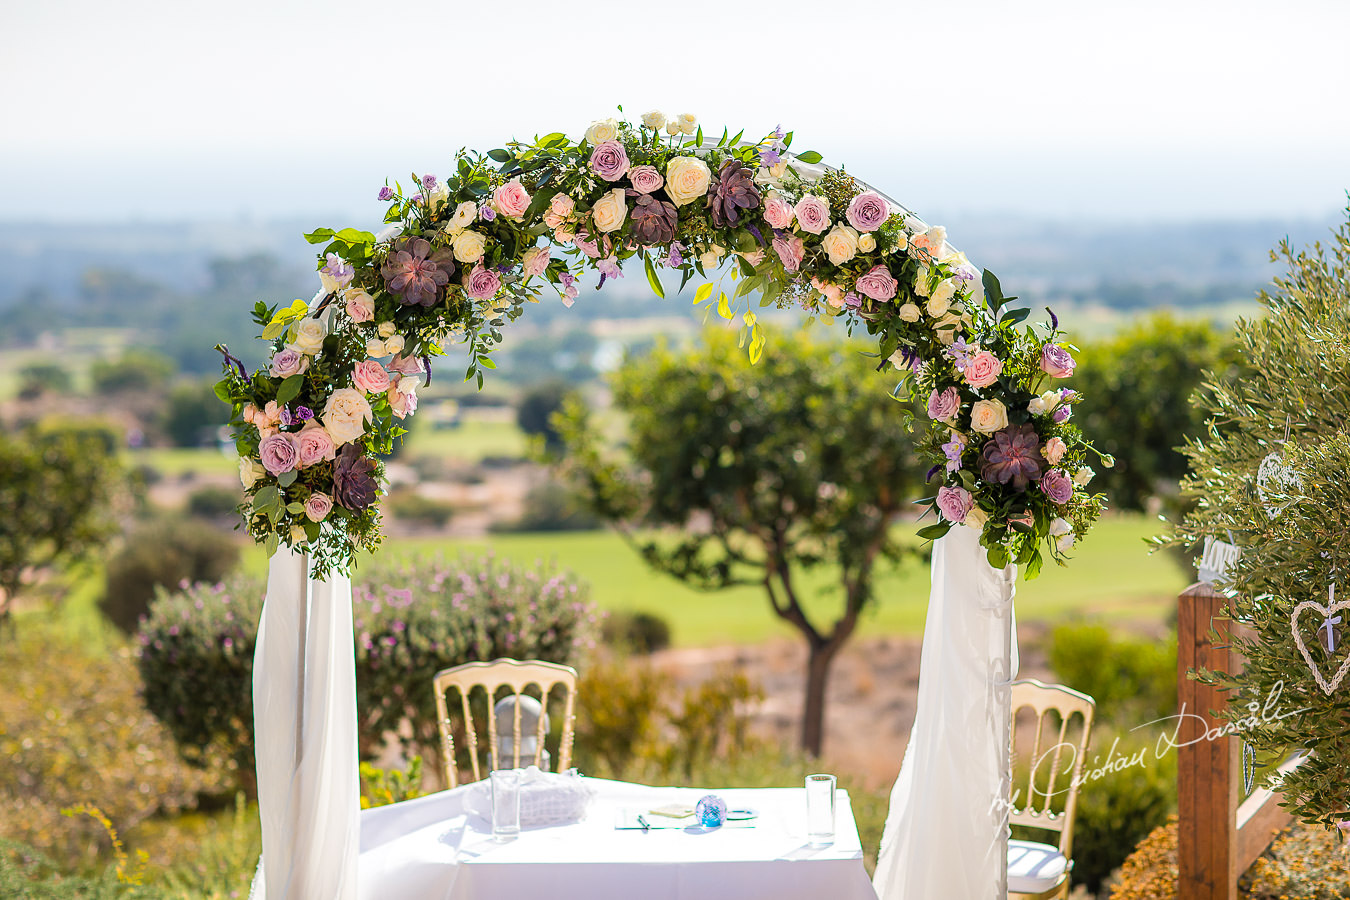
(646,179)
(942,406)
(1056,361)
(288,362)
(878,284)
(609,160)
(813,214)
(955,503)
(790,251)
(318,506)
(868,211)
(279,452)
(1057,486)
(483,283)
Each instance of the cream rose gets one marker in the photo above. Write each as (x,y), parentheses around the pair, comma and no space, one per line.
(309,335)
(976,517)
(601,131)
(654,119)
(712,257)
(469,246)
(901,243)
(436,197)
(610,211)
(1043,404)
(463,217)
(841,244)
(988,416)
(375,348)
(687,179)
(1083,476)
(866,243)
(250,472)
(910,313)
(672,128)
(937,307)
(921,281)
(345,415)
(1064,543)
(688,124)
(945,290)
(1060,526)
(393,344)
(386,329)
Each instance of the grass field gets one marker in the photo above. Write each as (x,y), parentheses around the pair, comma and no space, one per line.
(1112,578)
(473,440)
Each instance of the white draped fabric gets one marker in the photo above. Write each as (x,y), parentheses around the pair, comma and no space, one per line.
(304,711)
(947,831)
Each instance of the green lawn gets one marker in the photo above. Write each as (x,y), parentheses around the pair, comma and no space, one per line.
(174,462)
(1112,577)
(473,440)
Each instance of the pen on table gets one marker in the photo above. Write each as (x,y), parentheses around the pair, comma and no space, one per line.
(643,822)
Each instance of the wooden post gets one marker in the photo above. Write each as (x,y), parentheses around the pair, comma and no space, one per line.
(1208,771)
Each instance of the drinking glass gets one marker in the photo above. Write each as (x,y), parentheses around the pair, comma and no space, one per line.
(505,805)
(820,810)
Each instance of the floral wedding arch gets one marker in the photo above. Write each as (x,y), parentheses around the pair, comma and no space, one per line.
(464,254)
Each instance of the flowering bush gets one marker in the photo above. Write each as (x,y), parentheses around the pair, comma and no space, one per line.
(461,257)
(411,620)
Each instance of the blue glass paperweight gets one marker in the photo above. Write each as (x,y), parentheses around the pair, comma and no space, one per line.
(711,811)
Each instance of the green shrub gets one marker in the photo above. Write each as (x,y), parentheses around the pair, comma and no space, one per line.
(1306,861)
(412,619)
(193,413)
(551,507)
(163,554)
(138,370)
(637,632)
(213,502)
(1134,681)
(409,506)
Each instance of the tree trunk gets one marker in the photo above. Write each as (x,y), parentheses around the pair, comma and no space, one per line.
(820,656)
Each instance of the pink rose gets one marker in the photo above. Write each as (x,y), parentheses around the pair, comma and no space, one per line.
(360,306)
(288,362)
(833,293)
(511,199)
(868,211)
(778,211)
(370,377)
(561,205)
(955,503)
(609,160)
(279,452)
(813,214)
(553,220)
(405,365)
(403,403)
(270,415)
(983,369)
(790,251)
(536,260)
(318,506)
(315,445)
(878,284)
(1054,450)
(646,179)
(943,406)
(1057,486)
(1056,361)
(483,283)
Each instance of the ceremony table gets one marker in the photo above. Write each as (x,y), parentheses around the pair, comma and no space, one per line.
(433,848)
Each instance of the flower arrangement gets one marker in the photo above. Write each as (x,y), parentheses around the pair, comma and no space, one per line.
(461,256)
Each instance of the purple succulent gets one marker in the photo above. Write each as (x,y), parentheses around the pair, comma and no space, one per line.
(1013,456)
(733,191)
(654,220)
(354,479)
(416,274)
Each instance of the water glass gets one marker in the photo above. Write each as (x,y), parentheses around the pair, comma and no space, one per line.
(820,810)
(505,805)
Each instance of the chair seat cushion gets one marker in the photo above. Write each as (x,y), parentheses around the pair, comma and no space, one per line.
(1034,867)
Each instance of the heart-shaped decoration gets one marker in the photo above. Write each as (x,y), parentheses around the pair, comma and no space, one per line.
(1327,687)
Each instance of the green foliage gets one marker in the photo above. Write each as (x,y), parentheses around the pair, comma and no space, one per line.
(381,787)
(412,619)
(213,502)
(784,464)
(162,555)
(58,493)
(1133,680)
(410,506)
(37,379)
(551,507)
(1140,383)
(1291,530)
(138,370)
(73,728)
(537,406)
(635,631)
(193,414)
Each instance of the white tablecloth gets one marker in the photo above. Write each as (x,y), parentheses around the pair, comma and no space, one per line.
(433,849)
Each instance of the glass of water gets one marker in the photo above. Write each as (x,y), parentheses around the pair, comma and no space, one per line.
(820,810)
(505,805)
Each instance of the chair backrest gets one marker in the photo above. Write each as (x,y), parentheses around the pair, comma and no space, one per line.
(492,676)
(1056,768)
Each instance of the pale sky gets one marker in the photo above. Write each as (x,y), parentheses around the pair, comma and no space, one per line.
(1127,110)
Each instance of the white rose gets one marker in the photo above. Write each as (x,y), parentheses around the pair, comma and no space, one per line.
(946,328)
(712,257)
(910,313)
(841,244)
(778,169)
(945,290)
(976,517)
(901,242)
(469,246)
(938,307)
(866,243)
(346,414)
(988,416)
(309,335)
(688,124)
(601,131)
(1083,476)
(610,211)
(463,217)
(687,179)
(672,128)
(1060,526)
(654,119)
(1064,543)
(298,535)
(250,472)
(393,345)
(437,196)
(1043,404)
(387,329)
(921,281)
(375,348)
